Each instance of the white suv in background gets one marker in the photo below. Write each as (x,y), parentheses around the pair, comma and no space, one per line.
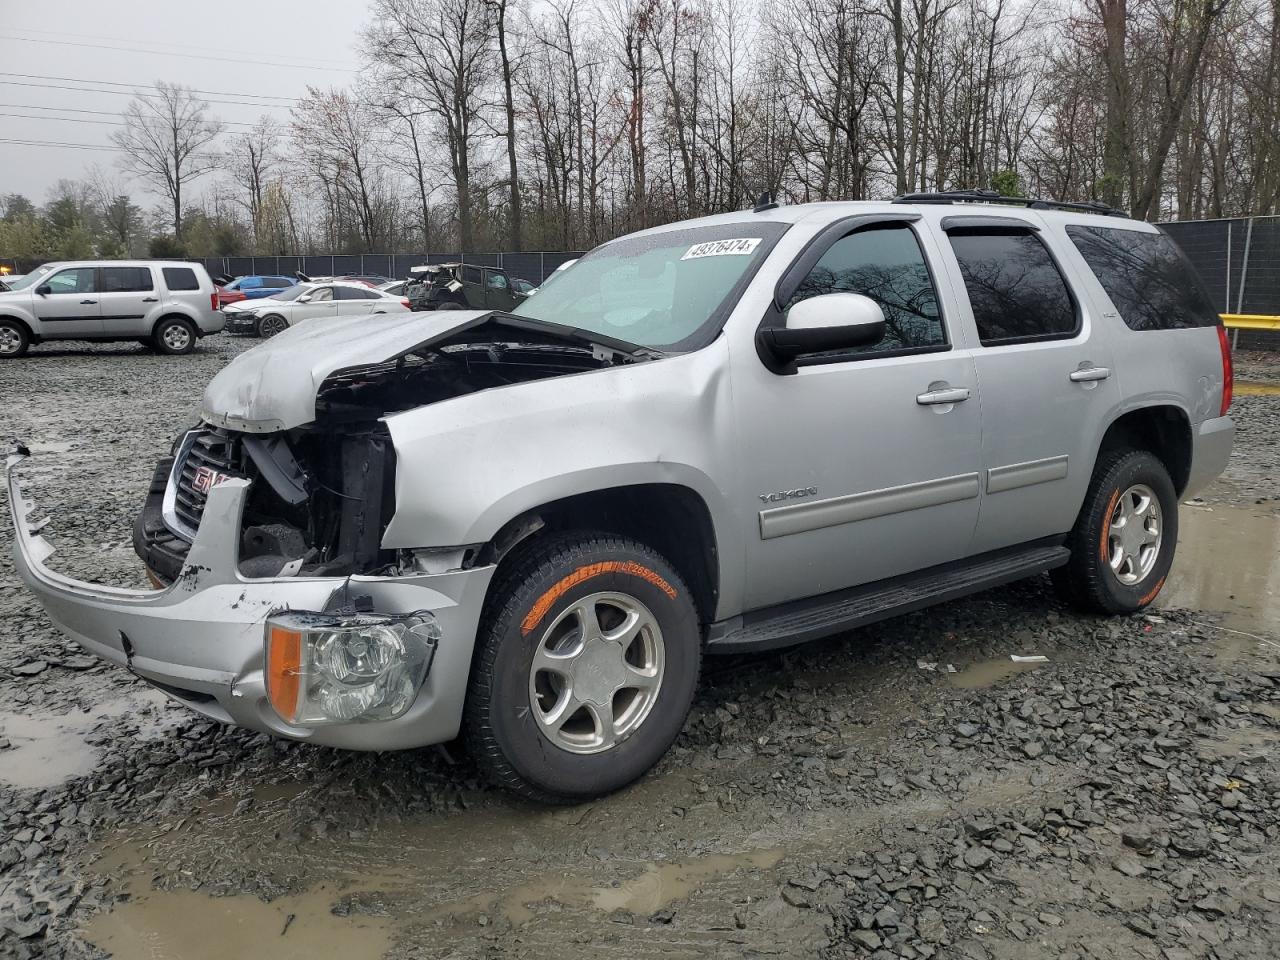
(307,301)
(164,304)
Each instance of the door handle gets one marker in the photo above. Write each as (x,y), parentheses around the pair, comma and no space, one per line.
(88,301)
(946,395)
(150,299)
(1089,374)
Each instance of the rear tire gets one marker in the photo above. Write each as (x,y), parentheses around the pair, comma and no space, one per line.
(271,325)
(1124,540)
(14,339)
(585,669)
(174,337)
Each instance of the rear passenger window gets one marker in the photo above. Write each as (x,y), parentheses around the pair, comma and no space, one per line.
(1015,289)
(126,279)
(180,278)
(886,264)
(1147,278)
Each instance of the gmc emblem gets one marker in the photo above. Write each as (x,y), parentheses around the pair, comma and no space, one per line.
(206,479)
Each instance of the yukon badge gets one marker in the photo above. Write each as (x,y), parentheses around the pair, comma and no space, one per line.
(789,494)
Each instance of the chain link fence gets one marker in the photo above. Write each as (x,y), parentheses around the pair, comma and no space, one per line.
(534,267)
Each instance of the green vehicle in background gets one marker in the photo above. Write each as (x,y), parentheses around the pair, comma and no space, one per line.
(463,286)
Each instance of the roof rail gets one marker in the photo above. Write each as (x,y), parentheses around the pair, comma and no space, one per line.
(992,196)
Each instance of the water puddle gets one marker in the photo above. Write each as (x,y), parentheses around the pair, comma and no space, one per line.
(987,673)
(49,748)
(1228,561)
(655,887)
(186,925)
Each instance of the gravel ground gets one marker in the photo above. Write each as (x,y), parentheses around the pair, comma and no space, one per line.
(851,798)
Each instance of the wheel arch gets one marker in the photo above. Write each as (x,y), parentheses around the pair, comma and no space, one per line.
(1164,430)
(673,519)
(172,314)
(23,322)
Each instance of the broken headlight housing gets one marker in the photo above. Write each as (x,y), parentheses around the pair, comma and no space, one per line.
(347,668)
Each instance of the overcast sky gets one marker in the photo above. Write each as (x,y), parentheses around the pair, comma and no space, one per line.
(283,46)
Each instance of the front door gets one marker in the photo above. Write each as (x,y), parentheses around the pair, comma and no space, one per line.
(70,309)
(497,290)
(322,304)
(863,464)
(127,296)
(1045,371)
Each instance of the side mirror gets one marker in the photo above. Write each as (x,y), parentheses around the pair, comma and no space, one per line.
(832,321)
(305,298)
(44,289)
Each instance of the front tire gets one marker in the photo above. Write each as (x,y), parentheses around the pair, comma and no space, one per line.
(585,669)
(1124,540)
(271,325)
(174,337)
(14,339)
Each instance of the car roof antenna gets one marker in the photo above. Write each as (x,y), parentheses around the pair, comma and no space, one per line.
(766,202)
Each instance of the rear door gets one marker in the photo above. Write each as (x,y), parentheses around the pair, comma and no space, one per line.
(353,301)
(70,309)
(127,296)
(1045,371)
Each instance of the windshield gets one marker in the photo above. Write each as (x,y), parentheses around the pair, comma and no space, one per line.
(32,278)
(292,293)
(668,291)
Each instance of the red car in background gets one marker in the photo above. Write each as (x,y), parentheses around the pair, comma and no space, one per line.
(226,296)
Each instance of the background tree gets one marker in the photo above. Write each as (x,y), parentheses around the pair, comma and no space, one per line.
(166,142)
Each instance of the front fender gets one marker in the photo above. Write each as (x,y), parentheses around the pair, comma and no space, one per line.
(467,466)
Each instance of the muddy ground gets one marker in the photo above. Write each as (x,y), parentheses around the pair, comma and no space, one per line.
(852,798)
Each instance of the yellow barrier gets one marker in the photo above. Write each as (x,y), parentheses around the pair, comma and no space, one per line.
(1250,321)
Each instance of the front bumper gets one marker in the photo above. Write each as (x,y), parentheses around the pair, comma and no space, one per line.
(200,640)
(239,323)
(1210,451)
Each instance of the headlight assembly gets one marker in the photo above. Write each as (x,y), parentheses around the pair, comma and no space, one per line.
(343,668)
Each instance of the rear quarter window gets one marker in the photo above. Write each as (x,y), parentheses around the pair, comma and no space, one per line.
(1150,283)
(180,278)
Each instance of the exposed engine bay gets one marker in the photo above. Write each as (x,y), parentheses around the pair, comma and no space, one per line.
(322,494)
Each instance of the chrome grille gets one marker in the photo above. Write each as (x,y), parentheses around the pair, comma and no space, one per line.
(211,448)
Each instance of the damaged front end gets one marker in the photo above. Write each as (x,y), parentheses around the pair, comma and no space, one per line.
(322,493)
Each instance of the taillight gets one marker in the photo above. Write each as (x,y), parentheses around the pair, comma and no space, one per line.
(406,304)
(1228,372)
(213,300)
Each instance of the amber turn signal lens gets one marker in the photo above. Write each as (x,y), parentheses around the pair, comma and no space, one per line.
(284,670)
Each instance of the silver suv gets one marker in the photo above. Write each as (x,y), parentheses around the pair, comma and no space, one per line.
(724,435)
(165,304)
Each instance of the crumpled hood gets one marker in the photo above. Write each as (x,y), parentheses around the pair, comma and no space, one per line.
(273,386)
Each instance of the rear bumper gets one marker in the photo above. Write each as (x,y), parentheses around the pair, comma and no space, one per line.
(200,640)
(1210,451)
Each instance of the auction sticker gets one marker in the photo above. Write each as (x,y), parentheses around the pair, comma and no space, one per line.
(741,247)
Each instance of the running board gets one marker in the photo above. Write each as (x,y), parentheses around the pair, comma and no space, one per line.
(803,620)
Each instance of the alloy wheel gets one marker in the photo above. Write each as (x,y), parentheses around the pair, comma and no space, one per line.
(1134,534)
(596,673)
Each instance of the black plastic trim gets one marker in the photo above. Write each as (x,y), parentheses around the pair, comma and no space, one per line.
(986,222)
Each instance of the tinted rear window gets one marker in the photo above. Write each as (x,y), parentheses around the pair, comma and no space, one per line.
(1016,290)
(1149,281)
(126,279)
(180,278)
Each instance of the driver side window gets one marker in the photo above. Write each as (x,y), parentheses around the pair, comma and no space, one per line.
(75,280)
(886,264)
(322,294)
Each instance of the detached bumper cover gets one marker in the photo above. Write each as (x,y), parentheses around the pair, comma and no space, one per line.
(201,639)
